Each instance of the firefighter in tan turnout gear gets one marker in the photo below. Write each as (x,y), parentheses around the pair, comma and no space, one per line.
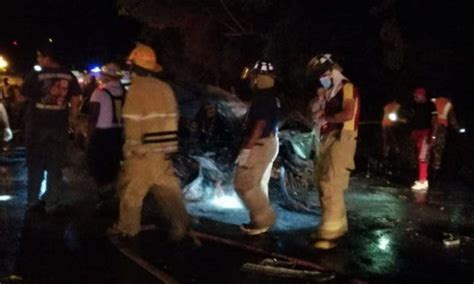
(339,121)
(150,118)
(259,150)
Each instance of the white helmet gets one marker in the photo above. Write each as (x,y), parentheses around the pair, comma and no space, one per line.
(111,70)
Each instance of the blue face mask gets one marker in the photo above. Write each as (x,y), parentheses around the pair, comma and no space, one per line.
(326,82)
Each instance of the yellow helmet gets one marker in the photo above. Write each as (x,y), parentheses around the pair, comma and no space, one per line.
(112,70)
(145,57)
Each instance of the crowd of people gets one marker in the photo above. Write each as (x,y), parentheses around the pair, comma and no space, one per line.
(131,137)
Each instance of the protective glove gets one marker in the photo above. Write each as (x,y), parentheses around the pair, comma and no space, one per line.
(7,134)
(243,157)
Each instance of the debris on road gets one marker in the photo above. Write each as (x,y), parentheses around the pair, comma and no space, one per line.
(451,241)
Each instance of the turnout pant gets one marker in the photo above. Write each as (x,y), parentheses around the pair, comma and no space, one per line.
(152,172)
(336,161)
(251,181)
(45,152)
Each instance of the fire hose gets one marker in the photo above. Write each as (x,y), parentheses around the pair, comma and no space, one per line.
(317,270)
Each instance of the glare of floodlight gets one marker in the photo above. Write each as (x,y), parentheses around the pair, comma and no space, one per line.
(227,201)
(5,197)
(393,116)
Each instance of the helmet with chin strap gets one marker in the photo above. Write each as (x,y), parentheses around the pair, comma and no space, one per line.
(319,64)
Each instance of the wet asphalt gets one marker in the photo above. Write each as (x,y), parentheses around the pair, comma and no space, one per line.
(395,236)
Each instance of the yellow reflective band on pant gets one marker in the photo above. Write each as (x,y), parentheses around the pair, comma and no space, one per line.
(167,149)
(138,117)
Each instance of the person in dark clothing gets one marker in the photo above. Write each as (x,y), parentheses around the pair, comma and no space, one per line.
(424,128)
(89,88)
(53,101)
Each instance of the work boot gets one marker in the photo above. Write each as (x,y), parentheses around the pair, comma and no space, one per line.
(324,239)
(329,235)
(260,224)
(325,244)
(419,186)
(252,230)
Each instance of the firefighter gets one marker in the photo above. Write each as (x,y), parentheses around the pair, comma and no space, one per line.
(105,126)
(259,150)
(339,120)
(150,118)
(424,124)
(446,117)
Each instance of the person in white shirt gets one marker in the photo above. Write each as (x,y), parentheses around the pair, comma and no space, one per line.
(105,132)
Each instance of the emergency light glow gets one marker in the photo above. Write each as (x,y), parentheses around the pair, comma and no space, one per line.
(96,69)
(5,197)
(393,116)
(37,68)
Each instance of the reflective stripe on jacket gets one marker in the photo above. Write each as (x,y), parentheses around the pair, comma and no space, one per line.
(150,117)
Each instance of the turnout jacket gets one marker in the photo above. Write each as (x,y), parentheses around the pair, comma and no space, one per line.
(150,117)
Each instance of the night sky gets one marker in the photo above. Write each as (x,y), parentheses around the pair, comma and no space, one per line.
(91,31)
(440,31)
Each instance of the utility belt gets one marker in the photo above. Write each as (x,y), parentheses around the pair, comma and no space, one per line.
(49,107)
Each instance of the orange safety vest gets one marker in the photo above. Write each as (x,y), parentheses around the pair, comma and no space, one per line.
(389,108)
(443,107)
(335,105)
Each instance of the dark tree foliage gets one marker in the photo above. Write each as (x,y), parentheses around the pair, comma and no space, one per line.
(387,47)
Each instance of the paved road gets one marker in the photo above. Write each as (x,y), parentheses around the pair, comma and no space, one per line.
(395,236)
